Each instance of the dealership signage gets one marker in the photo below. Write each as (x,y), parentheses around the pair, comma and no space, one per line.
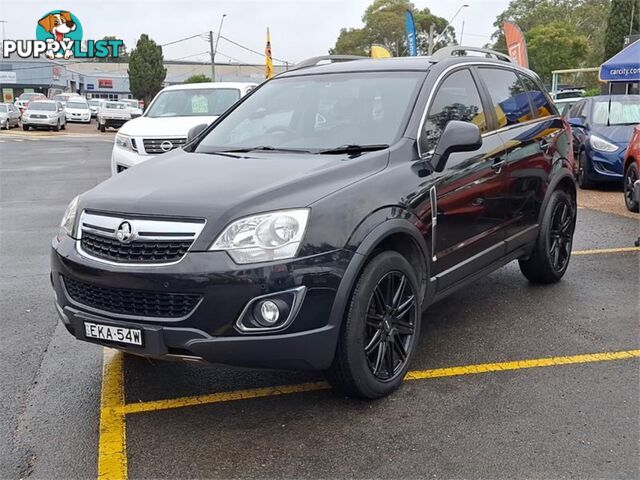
(59,35)
(8,77)
(105,83)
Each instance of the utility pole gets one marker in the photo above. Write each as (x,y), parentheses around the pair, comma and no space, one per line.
(213,57)
(431,33)
(462,33)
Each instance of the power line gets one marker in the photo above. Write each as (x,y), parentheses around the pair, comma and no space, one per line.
(183,39)
(251,50)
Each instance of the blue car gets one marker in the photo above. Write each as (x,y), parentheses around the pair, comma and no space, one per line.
(602,128)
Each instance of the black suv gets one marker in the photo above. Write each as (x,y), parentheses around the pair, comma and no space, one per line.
(310,225)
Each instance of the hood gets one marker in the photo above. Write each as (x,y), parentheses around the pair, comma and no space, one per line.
(221,188)
(618,134)
(163,127)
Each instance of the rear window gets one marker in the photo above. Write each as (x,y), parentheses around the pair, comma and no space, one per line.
(509,98)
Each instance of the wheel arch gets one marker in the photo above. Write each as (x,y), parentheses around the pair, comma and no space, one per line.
(563,180)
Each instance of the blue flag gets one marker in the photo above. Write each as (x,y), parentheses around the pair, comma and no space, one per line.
(410,26)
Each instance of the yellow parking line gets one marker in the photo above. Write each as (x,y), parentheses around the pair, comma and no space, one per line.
(605,250)
(112,450)
(413,375)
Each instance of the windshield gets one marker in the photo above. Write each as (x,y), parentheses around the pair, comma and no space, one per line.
(27,96)
(45,106)
(116,106)
(319,112)
(81,105)
(193,102)
(624,111)
(3,108)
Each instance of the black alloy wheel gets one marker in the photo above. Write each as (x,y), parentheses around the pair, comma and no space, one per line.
(390,326)
(560,236)
(630,177)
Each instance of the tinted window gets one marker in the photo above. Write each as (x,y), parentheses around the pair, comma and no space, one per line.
(456,99)
(510,99)
(540,101)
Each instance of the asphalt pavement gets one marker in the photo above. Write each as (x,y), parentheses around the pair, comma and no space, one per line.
(576,416)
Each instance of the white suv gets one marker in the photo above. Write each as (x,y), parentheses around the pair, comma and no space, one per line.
(169,117)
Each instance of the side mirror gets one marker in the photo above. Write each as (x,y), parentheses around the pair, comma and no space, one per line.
(457,137)
(195,131)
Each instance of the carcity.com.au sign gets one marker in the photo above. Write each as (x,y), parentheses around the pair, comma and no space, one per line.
(59,35)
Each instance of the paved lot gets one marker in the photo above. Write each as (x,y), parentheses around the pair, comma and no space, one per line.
(574,416)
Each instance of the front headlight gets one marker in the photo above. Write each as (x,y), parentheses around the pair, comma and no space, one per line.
(601,144)
(69,218)
(264,237)
(126,142)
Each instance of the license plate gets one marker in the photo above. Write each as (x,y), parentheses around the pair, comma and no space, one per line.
(131,336)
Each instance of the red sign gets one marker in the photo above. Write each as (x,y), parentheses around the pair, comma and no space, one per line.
(105,83)
(516,43)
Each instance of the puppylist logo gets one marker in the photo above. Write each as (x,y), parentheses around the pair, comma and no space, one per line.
(59,35)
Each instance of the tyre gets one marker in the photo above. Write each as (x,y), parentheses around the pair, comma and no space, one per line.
(25,128)
(630,176)
(7,125)
(583,173)
(380,330)
(57,127)
(103,127)
(64,126)
(551,254)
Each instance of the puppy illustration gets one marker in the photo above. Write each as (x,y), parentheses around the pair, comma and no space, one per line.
(58,25)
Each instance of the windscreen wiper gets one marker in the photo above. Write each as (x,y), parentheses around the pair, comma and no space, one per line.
(354,149)
(264,148)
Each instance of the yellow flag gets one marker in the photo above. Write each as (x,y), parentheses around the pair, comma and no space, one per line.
(268,69)
(378,51)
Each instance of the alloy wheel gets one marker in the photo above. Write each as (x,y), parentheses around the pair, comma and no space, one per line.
(629,179)
(390,326)
(561,236)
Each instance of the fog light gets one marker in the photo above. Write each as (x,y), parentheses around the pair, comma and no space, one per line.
(269,313)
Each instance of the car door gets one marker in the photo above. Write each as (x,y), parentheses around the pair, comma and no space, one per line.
(529,125)
(468,216)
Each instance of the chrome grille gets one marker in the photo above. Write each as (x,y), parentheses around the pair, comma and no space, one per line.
(135,241)
(156,146)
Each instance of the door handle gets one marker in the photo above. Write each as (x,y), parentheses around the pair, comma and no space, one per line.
(498,164)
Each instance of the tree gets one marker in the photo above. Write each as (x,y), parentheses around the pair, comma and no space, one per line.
(583,16)
(384,25)
(553,47)
(146,69)
(623,20)
(199,78)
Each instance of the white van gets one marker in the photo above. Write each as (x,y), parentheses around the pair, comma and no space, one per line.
(169,117)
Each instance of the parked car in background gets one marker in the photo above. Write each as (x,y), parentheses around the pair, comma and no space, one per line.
(112,115)
(170,115)
(602,128)
(632,172)
(134,107)
(94,104)
(44,114)
(23,100)
(312,224)
(9,116)
(77,110)
(63,98)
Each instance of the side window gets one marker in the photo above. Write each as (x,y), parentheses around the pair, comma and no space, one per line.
(508,95)
(576,110)
(539,99)
(457,98)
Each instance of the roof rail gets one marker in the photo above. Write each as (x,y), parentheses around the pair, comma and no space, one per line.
(450,51)
(313,61)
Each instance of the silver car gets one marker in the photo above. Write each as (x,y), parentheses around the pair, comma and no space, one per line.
(44,114)
(9,116)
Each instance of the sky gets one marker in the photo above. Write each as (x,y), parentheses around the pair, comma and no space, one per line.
(299,28)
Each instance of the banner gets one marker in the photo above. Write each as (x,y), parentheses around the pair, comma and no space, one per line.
(516,43)
(378,51)
(268,68)
(410,27)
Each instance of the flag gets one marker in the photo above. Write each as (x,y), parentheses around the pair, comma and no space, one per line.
(516,43)
(410,27)
(378,51)
(268,69)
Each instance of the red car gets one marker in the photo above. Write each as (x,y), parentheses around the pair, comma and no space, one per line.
(632,172)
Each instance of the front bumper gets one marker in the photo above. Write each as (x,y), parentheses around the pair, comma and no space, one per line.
(37,122)
(208,333)
(76,117)
(606,167)
(122,159)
